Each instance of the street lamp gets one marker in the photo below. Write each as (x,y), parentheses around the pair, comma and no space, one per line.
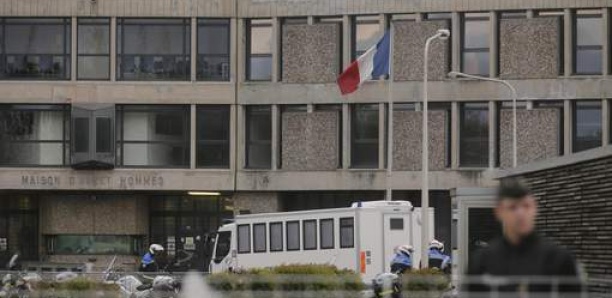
(442,34)
(456,74)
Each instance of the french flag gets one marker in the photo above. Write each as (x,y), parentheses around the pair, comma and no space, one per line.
(374,63)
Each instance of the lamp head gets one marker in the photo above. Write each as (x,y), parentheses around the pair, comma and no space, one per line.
(453,74)
(444,34)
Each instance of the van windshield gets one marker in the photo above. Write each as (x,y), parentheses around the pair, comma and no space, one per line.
(223,245)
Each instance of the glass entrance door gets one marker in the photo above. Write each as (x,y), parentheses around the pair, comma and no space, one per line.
(18,228)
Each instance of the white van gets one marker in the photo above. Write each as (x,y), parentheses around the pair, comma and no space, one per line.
(360,238)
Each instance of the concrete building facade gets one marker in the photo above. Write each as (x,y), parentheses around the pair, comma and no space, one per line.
(111,111)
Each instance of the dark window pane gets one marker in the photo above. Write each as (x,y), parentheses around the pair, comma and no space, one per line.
(81,135)
(293,235)
(347,232)
(259,238)
(396,223)
(589,31)
(588,61)
(364,136)
(94,39)
(587,126)
(476,34)
(259,137)
(214,67)
(310,234)
(260,68)
(223,246)
(94,245)
(244,239)
(476,63)
(367,32)
(327,233)
(103,135)
(276,236)
(213,50)
(213,136)
(474,135)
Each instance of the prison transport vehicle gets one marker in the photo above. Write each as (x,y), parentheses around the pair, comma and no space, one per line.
(361,238)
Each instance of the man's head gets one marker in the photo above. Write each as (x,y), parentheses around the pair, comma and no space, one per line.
(516,209)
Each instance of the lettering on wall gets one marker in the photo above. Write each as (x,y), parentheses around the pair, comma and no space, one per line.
(135,181)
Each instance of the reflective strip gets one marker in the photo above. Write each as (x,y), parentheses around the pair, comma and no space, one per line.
(362,262)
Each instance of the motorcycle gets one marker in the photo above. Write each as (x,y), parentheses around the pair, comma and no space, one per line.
(17,283)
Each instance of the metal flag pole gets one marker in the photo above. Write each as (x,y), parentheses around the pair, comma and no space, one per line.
(389,191)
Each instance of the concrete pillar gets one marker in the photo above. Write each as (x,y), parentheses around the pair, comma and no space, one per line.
(568,38)
(346,41)
(492,134)
(276,137)
(605,122)
(193,133)
(310,20)
(234,41)
(530,13)
(240,137)
(241,51)
(73,48)
(454,138)
(194,49)
(309,108)
(113,49)
(567,127)
(493,44)
(276,50)
(456,41)
(233,139)
(605,17)
(346,136)
(381,135)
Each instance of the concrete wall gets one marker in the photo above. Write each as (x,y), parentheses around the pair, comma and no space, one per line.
(310,141)
(407,129)
(311,53)
(538,135)
(408,43)
(256,202)
(529,49)
(89,215)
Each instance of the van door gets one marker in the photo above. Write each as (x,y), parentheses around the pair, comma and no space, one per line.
(397,231)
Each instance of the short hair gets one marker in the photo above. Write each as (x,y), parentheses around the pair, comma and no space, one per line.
(512,188)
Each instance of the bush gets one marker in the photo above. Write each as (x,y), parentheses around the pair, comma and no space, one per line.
(425,280)
(79,287)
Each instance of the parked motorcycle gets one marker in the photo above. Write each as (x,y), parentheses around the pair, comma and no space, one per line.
(17,283)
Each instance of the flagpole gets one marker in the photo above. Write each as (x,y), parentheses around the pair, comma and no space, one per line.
(389,191)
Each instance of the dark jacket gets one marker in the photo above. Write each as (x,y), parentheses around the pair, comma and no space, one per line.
(534,266)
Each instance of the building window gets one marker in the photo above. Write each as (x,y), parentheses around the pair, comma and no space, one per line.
(364,136)
(213,50)
(276,236)
(244,238)
(260,43)
(475,44)
(259,238)
(213,136)
(327,233)
(588,42)
(94,245)
(293,235)
(310,234)
(366,33)
(153,49)
(587,125)
(36,48)
(474,135)
(396,224)
(33,135)
(347,232)
(153,135)
(258,137)
(93,50)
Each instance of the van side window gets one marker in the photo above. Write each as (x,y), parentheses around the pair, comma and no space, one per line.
(223,246)
(259,237)
(396,224)
(327,233)
(244,239)
(310,234)
(276,236)
(347,232)
(293,235)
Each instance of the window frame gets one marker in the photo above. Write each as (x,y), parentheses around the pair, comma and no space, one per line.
(587,105)
(249,240)
(299,239)
(475,106)
(576,48)
(304,223)
(249,55)
(66,133)
(355,142)
(185,23)
(276,224)
(333,233)
(249,142)
(94,22)
(478,17)
(342,225)
(226,143)
(219,23)
(355,22)
(151,108)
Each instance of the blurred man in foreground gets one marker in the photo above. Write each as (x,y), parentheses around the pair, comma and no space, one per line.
(521,262)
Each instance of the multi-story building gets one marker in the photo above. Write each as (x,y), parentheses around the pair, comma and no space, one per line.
(112,111)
